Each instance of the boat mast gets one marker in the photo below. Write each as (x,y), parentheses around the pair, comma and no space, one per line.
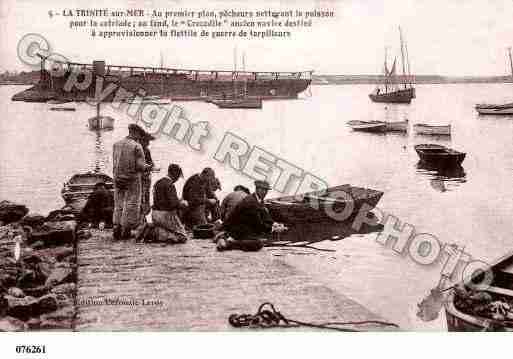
(234,76)
(244,70)
(161,77)
(408,64)
(385,70)
(402,55)
(510,62)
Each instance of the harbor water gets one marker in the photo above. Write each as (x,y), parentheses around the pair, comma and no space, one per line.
(471,207)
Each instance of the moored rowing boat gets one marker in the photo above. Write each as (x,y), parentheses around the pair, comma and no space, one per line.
(439,155)
(424,129)
(334,204)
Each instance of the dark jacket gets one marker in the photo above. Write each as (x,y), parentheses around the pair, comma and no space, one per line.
(164,195)
(98,201)
(195,191)
(248,219)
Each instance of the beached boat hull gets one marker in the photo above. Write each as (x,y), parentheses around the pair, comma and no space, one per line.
(495,111)
(440,156)
(400,96)
(77,190)
(101,123)
(423,129)
(501,287)
(336,204)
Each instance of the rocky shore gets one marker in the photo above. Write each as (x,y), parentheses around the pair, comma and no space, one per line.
(37,269)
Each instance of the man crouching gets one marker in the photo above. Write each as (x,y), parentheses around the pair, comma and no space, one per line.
(248,223)
(166,204)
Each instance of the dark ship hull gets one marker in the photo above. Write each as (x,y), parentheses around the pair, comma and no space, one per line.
(175,84)
(399,96)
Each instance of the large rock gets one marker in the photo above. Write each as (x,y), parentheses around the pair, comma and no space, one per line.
(66,288)
(59,275)
(46,304)
(10,324)
(7,279)
(37,292)
(12,212)
(33,220)
(54,234)
(3,306)
(63,253)
(15,292)
(60,319)
(28,307)
(21,308)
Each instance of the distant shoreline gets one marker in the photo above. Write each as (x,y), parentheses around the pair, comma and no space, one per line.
(364,80)
(419,79)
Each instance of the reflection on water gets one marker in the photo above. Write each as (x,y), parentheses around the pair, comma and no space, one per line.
(100,153)
(442,179)
(438,138)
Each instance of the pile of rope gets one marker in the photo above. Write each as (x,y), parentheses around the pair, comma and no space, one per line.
(268,317)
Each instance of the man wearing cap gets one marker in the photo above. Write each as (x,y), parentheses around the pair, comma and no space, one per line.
(129,164)
(196,193)
(249,222)
(166,205)
(232,200)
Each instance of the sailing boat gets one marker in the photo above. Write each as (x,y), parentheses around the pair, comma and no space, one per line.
(238,100)
(396,89)
(490,109)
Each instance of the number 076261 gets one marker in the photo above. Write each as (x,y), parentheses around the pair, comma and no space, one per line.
(30,349)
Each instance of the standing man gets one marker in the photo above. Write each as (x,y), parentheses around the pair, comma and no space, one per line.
(249,222)
(129,164)
(195,192)
(146,176)
(166,205)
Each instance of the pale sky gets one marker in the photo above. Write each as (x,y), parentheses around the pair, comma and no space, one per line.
(445,37)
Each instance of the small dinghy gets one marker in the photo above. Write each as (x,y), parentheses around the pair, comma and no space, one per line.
(100,122)
(371,126)
(243,103)
(76,191)
(438,155)
(149,99)
(423,129)
(57,102)
(62,108)
(484,109)
(395,126)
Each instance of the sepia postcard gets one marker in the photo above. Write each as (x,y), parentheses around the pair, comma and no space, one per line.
(249,167)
